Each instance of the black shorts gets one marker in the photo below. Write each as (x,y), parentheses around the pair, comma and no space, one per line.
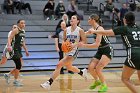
(133,58)
(108,51)
(17,54)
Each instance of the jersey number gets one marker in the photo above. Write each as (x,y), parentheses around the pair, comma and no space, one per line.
(136,35)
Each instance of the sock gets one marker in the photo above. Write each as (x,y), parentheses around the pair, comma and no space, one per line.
(80,73)
(9,74)
(50,80)
(15,80)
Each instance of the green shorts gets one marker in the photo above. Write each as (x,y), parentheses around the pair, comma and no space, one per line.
(133,58)
(108,51)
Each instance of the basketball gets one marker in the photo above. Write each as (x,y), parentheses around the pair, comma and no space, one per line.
(66,46)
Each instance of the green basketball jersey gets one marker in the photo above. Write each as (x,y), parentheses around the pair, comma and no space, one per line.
(130,34)
(17,42)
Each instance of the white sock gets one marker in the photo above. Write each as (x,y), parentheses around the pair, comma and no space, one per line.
(15,80)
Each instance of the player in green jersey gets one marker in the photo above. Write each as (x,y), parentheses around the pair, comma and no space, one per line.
(131,37)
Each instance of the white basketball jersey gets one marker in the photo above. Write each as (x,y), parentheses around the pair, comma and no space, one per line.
(73,36)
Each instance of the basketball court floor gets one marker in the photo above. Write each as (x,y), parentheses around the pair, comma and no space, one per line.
(66,83)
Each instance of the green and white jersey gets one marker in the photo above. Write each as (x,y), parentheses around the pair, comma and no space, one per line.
(18,40)
(130,34)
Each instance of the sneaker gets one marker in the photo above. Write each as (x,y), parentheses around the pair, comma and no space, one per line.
(103,88)
(46,85)
(17,83)
(7,77)
(70,72)
(84,73)
(61,72)
(95,84)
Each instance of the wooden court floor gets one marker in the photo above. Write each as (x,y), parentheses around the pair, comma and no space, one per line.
(67,83)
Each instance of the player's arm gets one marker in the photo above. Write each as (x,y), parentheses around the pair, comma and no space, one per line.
(56,44)
(64,35)
(11,36)
(25,48)
(83,36)
(103,32)
(97,42)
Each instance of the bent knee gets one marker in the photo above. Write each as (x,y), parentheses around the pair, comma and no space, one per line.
(19,67)
(124,79)
(59,65)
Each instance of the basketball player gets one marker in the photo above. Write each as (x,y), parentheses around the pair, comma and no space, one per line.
(74,34)
(58,42)
(4,58)
(16,40)
(131,37)
(101,58)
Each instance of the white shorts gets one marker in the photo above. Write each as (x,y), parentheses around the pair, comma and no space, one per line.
(7,54)
(73,53)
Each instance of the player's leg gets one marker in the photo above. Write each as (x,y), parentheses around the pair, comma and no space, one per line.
(126,74)
(56,73)
(102,63)
(3,60)
(91,69)
(17,72)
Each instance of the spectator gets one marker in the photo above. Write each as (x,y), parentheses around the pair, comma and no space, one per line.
(132,5)
(60,9)
(49,9)
(123,11)
(9,6)
(20,4)
(65,19)
(72,9)
(109,7)
(138,5)
(117,18)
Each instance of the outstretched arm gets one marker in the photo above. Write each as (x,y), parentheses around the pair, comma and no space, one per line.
(102,32)
(96,44)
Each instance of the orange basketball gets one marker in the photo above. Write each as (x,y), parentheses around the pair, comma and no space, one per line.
(66,46)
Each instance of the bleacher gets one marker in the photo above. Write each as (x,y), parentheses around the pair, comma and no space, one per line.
(43,55)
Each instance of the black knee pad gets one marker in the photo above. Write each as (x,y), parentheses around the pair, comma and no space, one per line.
(17,63)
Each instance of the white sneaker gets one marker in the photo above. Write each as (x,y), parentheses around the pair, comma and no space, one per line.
(84,73)
(17,83)
(7,78)
(46,85)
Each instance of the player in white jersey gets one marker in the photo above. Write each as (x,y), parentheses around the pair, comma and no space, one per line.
(74,34)
(6,55)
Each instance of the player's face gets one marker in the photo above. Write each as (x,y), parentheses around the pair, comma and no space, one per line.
(90,21)
(22,24)
(74,20)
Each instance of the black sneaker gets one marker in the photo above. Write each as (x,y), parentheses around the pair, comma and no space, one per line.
(61,72)
(70,72)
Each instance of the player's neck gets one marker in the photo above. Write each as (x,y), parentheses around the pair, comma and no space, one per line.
(73,27)
(95,26)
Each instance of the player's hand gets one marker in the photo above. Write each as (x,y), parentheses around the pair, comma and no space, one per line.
(80,44)
(90,31)
(57,49)
(27,54)
(9,48)
(74,44)
(49,36)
